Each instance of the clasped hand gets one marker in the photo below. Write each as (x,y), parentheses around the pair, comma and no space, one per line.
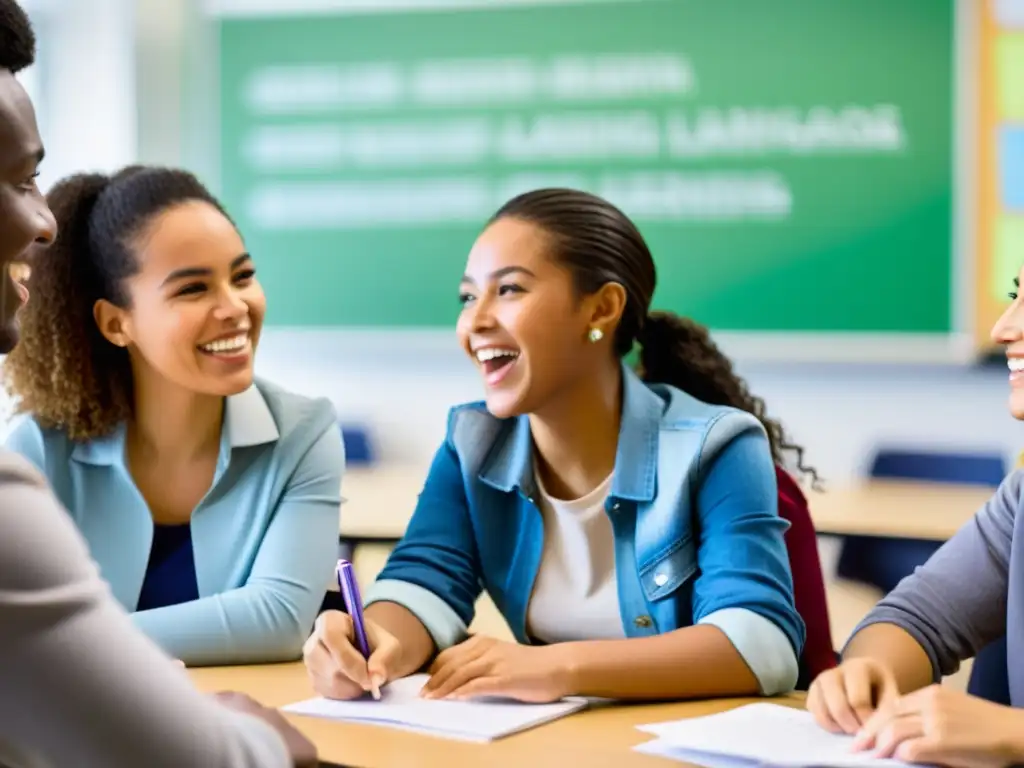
(481,666)
(934,725)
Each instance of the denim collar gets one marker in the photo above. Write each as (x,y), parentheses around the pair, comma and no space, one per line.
(509,466)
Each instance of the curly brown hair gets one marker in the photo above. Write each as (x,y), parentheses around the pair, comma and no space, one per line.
(17,38)
(64,372)
(599,244)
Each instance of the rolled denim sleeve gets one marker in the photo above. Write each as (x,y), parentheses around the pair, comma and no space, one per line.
(434,571)
(745,586)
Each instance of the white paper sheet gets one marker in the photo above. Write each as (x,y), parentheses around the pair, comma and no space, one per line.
(401,706)
(757,735)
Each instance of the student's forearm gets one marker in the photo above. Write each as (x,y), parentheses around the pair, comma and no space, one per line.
(691,663)
(417,644)
(1014,735)
(895,648)
(248,625)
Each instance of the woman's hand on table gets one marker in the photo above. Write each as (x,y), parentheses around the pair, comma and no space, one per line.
(941,726)
(484,666)
(843,699)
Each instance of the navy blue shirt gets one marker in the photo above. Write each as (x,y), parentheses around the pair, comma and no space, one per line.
(171,574)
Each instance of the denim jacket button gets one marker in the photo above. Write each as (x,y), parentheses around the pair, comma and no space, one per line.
(661,579)
(642,621)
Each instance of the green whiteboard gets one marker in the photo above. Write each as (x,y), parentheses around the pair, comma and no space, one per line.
(790,162)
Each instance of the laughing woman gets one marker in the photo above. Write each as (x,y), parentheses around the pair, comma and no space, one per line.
(626,526)
(209,500)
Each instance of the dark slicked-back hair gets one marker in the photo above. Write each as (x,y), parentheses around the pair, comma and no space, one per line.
(17,40)
(599,244)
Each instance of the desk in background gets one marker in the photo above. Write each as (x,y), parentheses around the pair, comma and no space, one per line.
(897,509)
(381,501)
(597,738)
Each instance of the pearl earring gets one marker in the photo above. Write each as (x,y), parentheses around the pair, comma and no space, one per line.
(595,335)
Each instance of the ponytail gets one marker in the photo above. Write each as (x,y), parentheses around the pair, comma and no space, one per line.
(63,371)
(679,352)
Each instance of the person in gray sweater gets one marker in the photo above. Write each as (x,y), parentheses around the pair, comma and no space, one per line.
(971,592)
(80,687)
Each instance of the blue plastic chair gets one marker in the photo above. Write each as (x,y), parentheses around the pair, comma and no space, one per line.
(358,449)
(884,562)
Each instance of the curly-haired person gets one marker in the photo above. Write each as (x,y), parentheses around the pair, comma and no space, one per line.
(209,499)
(626,525)
(81,685)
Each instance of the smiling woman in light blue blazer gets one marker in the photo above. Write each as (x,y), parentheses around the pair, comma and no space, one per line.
(209,499)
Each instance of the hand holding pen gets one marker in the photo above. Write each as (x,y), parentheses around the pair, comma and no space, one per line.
(347,655)
(349,587)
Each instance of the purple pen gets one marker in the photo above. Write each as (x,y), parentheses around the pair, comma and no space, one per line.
(353,604)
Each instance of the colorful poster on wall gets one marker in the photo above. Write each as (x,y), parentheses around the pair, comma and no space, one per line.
(1000,159)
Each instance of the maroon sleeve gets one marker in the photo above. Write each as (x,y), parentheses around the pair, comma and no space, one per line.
(808,583)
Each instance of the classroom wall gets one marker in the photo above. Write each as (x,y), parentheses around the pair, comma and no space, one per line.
(402,386)
(83,84)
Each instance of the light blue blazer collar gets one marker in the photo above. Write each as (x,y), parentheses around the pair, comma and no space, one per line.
(247,422)
(121,534)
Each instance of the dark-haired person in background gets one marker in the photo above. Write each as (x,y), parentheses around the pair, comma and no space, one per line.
(209,500)
(79,685)
(625,526)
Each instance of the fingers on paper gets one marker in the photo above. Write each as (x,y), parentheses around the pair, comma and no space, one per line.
(924,750)
(882,725)
(481,686)
(456,678)
(836,700)
(816,706)
(897,732)
(455,663)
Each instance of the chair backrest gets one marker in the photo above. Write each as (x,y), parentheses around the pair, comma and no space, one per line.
(358,449)
(808,582)
(939,467)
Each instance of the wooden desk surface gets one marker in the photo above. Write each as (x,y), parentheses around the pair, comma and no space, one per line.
(594,738)
(381,500)
(897,509)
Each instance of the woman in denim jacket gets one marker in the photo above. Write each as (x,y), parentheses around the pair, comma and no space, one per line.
(625,525)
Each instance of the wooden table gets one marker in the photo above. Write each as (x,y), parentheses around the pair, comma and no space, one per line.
(381,500)
(905,510)
(597,738)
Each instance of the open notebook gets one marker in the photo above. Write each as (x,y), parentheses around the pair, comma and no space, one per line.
(400,706)
(759,735)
